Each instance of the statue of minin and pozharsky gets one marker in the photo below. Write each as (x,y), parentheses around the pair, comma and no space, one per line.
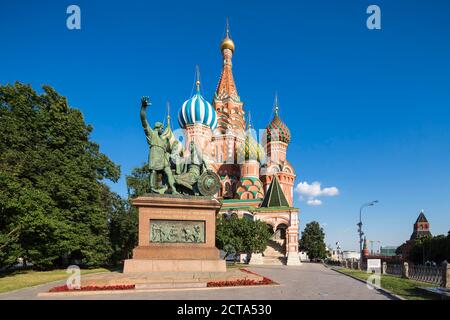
(179,174)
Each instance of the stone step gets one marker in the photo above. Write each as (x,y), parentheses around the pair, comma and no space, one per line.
(272,256)
(271,252)
(273,263)
(268,249)
(271,260)
(275,248)
(169,285)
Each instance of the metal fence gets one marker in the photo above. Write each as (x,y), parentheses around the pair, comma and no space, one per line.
(394,269)
(428,274)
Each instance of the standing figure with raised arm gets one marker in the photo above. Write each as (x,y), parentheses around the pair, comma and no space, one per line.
(158,160)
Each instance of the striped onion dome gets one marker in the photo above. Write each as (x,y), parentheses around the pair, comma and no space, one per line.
(250,149)
(197,110)
(277,130)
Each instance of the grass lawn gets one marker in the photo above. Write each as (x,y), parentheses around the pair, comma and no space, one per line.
(27,278)
(403,287)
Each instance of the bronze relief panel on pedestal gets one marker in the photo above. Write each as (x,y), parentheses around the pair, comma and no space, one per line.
(177,231)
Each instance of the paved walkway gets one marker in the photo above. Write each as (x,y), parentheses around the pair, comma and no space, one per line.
(308,281)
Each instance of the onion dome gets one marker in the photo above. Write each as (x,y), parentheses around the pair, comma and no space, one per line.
(250,149)
(277,130)
(197,110)
(250,188)
(227,43)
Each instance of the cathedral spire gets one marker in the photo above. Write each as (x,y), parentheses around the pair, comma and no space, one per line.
(226,87)
(197,78)
(275,104)
(226,99)
(249,120)
(227,43)
(277,130)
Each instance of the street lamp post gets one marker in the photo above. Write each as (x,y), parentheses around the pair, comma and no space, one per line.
(360,232)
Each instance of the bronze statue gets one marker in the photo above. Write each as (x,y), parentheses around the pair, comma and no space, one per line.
(176,158)
(158,161)
(192,175)
(198,178)
(188,178)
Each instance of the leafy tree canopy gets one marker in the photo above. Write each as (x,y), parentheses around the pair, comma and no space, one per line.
(436,249)
(54,205)
(313,241)
(234,235)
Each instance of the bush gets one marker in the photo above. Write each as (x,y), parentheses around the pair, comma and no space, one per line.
(235,235)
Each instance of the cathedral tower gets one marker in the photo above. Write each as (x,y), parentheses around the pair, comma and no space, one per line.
(199,119)
(278,137)
(421,227)
(249,156)
(226,99)
(230,132)
(257,181)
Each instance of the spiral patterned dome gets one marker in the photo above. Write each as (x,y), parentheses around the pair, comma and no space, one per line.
(277,130)
(250,149)
(197,110)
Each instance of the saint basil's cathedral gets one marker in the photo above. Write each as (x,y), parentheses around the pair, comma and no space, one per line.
(257,180)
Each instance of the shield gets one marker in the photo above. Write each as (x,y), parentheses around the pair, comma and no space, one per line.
(208,183)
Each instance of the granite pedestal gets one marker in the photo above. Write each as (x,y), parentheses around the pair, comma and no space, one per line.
(176,234)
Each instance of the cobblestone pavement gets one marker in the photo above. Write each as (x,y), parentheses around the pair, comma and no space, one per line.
(308,281)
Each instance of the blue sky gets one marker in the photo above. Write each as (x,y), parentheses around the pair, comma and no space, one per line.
(369,110)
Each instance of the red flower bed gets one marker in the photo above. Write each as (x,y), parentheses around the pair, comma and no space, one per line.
(65,288)
(241,282)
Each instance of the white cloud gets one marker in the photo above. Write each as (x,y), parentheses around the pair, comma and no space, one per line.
(310,192)
(314,202)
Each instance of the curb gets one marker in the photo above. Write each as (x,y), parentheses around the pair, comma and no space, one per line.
(142,288)
(43,284)
(100,292)
(383,291)
(32,287)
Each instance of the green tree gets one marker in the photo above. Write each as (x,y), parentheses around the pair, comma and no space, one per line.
(123,229)
(124,218)
(234,235)
(138,182)
(435,249)
(313,241)
(52,191)
(227,230)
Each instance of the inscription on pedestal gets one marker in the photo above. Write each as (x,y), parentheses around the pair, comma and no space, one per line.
(177,231)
